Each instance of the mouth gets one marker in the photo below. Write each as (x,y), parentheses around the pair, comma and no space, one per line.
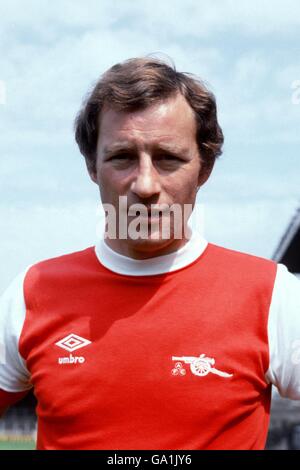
(154,211)
(149,215)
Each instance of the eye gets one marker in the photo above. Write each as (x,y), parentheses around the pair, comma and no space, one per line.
(170,155)
(120,158)
(169,158)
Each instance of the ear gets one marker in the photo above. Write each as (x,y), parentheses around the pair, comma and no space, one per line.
(91,170)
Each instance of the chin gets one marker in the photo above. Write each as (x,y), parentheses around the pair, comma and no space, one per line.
(154,243)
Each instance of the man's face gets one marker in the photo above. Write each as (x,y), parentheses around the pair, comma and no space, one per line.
(151,157)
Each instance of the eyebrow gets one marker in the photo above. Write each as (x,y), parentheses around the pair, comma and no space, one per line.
(117,147)
(126,146)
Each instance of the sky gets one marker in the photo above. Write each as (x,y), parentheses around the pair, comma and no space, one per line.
(53,52)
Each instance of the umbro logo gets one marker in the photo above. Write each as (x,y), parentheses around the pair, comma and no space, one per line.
(71,343)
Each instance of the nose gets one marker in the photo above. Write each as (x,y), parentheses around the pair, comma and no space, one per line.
(146,182)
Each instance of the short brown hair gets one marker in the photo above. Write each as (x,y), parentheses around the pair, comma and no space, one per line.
(136,84)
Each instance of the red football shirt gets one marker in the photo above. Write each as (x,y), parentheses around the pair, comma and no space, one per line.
(171,353)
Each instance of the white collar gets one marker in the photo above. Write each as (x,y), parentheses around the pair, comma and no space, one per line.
(121,264)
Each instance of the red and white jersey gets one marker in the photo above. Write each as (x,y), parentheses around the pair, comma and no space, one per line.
(173,352)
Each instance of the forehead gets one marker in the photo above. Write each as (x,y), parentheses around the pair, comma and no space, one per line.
(168,120)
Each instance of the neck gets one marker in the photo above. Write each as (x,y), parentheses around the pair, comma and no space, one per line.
(154,263)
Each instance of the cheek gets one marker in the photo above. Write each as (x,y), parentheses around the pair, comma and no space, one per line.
(113,179)
(103,183)
(110,186)
(106,181)
(183,188)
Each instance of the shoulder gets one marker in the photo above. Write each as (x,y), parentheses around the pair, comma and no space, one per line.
(53,275)
(238,256)
(68,263)
(241,264)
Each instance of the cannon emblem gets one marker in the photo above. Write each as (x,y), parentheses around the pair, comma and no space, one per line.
(200,366)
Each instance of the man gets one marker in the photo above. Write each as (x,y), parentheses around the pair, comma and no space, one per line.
(148,341)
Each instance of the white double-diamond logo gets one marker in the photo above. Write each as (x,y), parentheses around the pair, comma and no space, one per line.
(72,342)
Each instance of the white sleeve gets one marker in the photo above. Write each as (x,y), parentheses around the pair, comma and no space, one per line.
(284,334)
(14,376)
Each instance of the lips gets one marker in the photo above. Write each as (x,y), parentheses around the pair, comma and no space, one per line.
(162,210)
(149,215)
